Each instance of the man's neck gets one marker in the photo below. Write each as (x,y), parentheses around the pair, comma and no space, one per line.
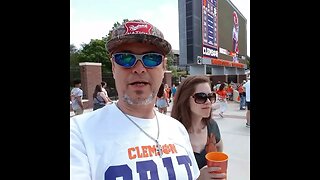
(140,111)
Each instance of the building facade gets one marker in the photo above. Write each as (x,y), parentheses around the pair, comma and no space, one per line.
(213,39)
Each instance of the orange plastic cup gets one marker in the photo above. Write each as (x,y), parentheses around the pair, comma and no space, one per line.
(217,159)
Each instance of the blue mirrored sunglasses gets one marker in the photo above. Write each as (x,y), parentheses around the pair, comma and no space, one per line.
(128,60)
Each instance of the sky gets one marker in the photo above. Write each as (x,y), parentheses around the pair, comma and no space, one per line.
(92,19)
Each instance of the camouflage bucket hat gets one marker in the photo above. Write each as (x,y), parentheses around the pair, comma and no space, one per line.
(137,31)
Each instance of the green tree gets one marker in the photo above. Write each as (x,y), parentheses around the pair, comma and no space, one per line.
(74,56)
(106,39)
(170,57)
(73,49)
(95,51)
(74,64)
(176,73)
(115,25)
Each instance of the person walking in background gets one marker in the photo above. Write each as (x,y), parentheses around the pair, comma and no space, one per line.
(104,86)
(173,91)
(247,90)
(162,100)
(168,92)
(76,98)
(242,95)
(216,87)
(129,139)
(192,107)
(99,98)
(230,92)
(222,98)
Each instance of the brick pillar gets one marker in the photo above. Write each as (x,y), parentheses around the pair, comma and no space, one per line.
(167,79)
(91,75)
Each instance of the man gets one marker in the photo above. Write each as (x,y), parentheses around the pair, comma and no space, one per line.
(247,90)
(129,139)
(235,34)
(76,98)
(242,95)
(173,91)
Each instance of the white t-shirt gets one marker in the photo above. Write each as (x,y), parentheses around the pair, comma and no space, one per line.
(76,92)
(247,88)
(106,145)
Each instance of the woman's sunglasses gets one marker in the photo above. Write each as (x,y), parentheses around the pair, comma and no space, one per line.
(128,60)
(201,98)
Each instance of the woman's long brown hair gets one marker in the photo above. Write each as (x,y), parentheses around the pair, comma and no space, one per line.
(181,106)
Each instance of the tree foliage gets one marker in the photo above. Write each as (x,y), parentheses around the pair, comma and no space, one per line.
(74,55)
(170,57)
(95,51)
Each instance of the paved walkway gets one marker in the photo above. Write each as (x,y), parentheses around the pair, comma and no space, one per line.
(236,140)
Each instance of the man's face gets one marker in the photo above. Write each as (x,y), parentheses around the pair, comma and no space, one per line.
(138,84)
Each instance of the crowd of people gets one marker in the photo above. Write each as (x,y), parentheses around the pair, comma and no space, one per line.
(100,97)
(129,139)
(225,93)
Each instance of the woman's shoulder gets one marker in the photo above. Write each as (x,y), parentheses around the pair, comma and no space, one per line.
(212,124)
(214,129)
(101,93)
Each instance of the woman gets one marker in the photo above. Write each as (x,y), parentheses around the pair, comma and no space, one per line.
(222,97)
(192,107)
(162,100)
(99,98)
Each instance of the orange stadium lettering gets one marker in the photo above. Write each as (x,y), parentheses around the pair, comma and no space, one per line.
(149,151)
